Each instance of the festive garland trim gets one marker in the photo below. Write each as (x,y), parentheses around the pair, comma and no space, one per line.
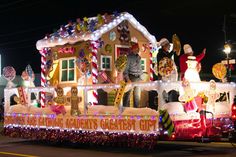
(127,140)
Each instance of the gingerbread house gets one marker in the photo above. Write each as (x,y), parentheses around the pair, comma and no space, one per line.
(84,52)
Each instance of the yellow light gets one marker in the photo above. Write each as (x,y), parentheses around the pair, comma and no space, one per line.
(227,48)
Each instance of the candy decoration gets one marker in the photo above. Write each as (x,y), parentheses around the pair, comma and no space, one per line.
(81,53)
(123,29)
(176,44)
(43,53)
(166,121)
(166,66)
(52,69)
(144,48)
(219,70)
(48,53)
(94,48)
(112,36)
(120,94)
(101,43)
(108,48)
(121,63)
(70,28)
(84,26)
(108,18)
(104,77)
(92,25)
(48,64)
(151,66)
(9,74)
(100,20)
(63,32)
(22,96)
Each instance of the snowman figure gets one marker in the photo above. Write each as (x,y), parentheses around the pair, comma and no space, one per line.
(191,73)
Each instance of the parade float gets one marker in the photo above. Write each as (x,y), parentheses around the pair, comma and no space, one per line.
(80,98)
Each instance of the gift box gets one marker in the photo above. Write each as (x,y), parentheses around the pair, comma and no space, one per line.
(190,106)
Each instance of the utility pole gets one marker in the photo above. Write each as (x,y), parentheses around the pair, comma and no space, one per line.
(224,29)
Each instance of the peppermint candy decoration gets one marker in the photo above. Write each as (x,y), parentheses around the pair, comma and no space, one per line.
(9,73)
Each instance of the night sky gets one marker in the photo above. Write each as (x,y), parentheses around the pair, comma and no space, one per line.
(199,23)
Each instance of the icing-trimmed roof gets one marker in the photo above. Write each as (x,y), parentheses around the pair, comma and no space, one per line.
(73,36)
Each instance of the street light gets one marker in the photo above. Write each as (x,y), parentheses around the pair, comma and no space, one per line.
(227,50)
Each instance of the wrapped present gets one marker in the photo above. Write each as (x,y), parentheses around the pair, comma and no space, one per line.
(190,106)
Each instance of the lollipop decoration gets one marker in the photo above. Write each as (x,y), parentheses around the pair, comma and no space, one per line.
(9,74)
(176,44)
(219,71)
(121,63)
(165,67)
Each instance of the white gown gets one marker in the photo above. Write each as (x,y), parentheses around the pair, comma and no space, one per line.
(191,73)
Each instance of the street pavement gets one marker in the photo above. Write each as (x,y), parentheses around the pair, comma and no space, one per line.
(10,147)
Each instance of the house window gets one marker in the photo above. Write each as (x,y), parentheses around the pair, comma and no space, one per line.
(106,63)
(67,70)
(143,64)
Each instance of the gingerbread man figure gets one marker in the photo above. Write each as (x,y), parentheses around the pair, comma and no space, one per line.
(75,100)
(60,101)
(212,95)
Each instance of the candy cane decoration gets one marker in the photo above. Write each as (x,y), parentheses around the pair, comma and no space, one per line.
(94,48)
(43,75)
(151,67)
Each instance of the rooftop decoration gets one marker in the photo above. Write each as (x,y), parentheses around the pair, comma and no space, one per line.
(90,29)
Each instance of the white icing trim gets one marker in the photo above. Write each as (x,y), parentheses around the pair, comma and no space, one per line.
(51,42)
